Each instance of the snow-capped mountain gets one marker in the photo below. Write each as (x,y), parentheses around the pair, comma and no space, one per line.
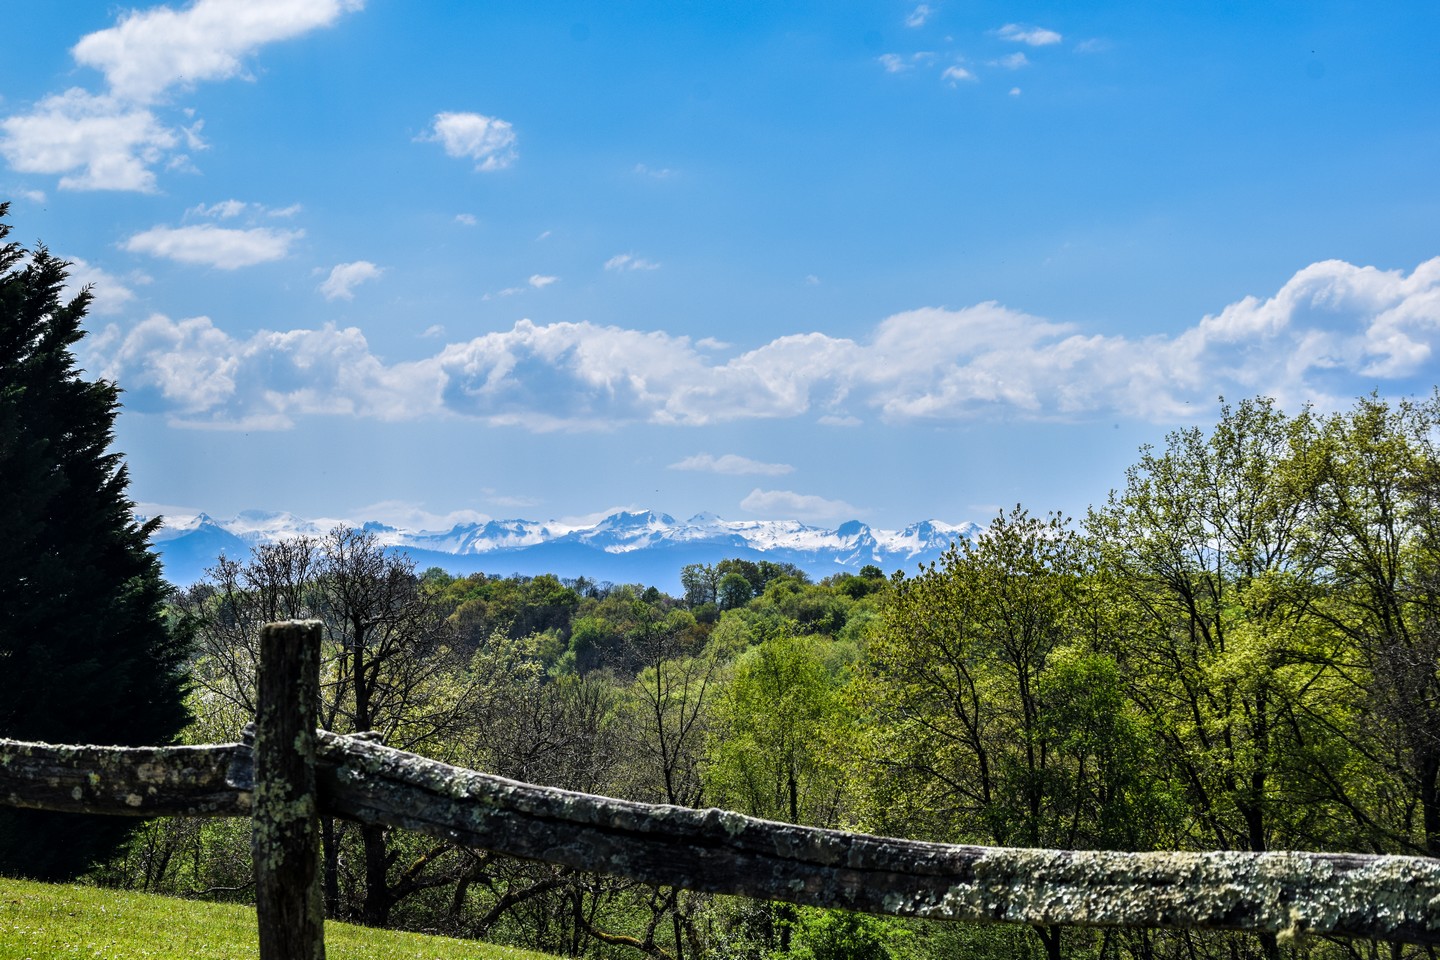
(625,547)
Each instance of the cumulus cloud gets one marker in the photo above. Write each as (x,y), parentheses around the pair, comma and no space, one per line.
(805,506)
(109,295)
(96,142)
(201,376)
(655,173)
(919,15)
(731,464)
(628,261)
(1333,331)
(955,74)
(207,244)
(540,282)
(1033,36)
(488,141)
(345,277)
(149,51)
(114,140)
(1014,61)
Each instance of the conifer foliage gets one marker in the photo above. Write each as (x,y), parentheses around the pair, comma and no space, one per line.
(86,654)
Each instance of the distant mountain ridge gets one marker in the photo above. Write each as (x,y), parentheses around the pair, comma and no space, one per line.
(624,547)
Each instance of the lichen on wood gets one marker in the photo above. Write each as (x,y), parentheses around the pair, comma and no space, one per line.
(285,828)
(129,781)
(1286,894)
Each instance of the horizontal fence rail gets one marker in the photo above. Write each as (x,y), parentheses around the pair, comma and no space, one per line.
(1348,895)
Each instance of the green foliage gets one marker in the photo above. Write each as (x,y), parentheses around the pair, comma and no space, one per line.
(963,707)
(734,591)
(771,752)
(87,652)
(1206,556)
(842,935)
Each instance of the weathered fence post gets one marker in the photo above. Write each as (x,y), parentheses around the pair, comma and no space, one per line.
(285,835)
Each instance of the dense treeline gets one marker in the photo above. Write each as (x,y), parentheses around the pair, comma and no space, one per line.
(1237,651)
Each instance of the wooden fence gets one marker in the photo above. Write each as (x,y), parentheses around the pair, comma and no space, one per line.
(287,774)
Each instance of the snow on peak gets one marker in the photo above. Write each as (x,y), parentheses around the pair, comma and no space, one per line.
(851,545)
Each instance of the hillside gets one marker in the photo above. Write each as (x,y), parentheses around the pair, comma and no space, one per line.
(59,922)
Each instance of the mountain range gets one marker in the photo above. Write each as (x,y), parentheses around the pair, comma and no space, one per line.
(624,547)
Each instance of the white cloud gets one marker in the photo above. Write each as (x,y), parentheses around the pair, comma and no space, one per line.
(1014,91)
(488,141)
(511,501)
(661,173)
(111,145)
(345,277)
(408,515)
(731,464)
(955,74)
(149,51)
(1033,36)
(114,140)
(466,219)
(203,377)
(1014,61)
(109,295)
(214,246)
(787,503)
(224,210)
(1333,331)
(540,282)
(1093,45)
(628,261)
(284,212)
(919,15)
(895,63)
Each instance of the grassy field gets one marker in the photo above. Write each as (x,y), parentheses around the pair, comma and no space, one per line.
(41,921)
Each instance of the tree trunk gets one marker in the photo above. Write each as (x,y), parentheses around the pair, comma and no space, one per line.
(1430,805)
(377,893)
(331,852)
(1050,937)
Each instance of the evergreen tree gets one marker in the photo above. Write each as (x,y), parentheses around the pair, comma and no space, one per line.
(86,654)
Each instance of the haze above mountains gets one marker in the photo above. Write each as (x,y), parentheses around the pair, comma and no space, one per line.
(624,547)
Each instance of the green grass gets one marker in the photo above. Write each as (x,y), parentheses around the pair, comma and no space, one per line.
(44,921)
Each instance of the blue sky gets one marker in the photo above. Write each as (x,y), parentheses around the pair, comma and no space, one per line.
(890,261)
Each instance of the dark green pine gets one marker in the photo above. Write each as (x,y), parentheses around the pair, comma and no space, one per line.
(86,653)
